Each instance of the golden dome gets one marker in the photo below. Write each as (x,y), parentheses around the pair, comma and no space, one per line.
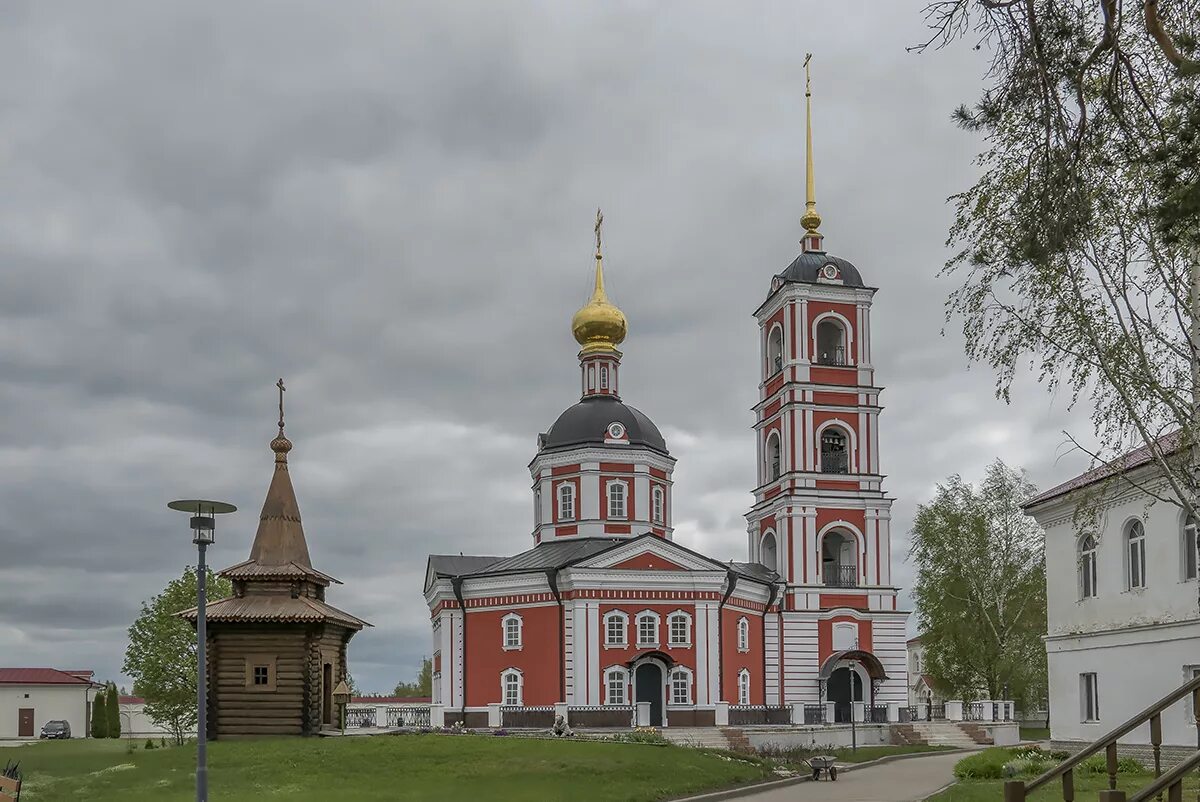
(599,326)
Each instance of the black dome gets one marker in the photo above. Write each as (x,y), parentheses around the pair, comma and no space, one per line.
(808,265)
(586,423)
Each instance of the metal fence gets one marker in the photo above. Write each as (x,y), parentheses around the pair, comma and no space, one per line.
(360,717)
(527,717)
(876,714)
(408,717)
(814,714)
(750,715)
(936,713)
(601,716)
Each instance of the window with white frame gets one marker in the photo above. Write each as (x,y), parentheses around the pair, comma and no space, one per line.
(681,686)
(775,351)
(1089,697)
(647,629)
(511,625)
(616,681)
(1087,567)
(510,684)
(767,552)
(566,501)
(616,629)
(744,687)
(1187,559)
(1135,561)
(774,466)
(680,626)
(603,377)
(834,456)
(743,635)
(616,500)
(1190,673)
(659,504)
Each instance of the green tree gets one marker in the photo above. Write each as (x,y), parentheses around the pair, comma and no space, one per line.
(980,590)
(99,717)
(1078,249)
(422,686)
(112,708)
(161,656)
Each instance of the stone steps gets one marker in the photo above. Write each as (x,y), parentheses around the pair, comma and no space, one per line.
(942,733)
(706,737)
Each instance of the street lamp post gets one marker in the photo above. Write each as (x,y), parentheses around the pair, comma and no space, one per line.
(203,525)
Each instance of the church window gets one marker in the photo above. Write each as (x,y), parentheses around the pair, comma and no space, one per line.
(1188,546)
(616,500)
(773,457)
(603,377)
(510,684)
(767,553)
(831,343)
(680,626)
(260,672)
(775,351)
(512,626)
(615,683)
(744,687)
(262,675)
(566,501)
(1087,567)
(834,457)
(681,686)
(1135,538)
(743,635)
(658,505)
(647,629)
(616,625)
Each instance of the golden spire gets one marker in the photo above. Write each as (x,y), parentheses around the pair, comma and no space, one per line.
(811,220)
(599,326)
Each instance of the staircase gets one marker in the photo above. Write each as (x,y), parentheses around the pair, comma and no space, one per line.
(707,738)
(942,733)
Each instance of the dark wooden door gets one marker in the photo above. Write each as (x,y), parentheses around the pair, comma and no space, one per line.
(648,687)
(25,722)
(327,695)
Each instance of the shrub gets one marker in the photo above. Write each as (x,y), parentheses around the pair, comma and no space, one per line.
(149,744)
(99,718)
(642,735)
(985,765)
(112,707)
(1098,764)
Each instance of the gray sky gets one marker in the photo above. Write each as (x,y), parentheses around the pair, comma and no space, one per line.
(391,205)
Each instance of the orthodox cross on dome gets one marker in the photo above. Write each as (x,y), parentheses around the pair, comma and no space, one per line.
(599,226)
(282,389)
(811,219)
(281,445)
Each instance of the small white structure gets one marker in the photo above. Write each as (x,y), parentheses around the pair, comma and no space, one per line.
(29,697)
(134,721)
(1121,605)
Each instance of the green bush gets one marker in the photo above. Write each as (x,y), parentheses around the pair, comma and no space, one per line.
(149,744)
(642,735)
(99,717)
(985,765)
(1098,764)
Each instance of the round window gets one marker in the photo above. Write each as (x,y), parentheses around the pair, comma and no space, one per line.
(616,430)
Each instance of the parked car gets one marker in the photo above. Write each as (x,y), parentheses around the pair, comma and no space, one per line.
(56,729)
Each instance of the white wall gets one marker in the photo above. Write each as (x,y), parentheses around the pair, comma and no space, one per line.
(49,702)
(135,722)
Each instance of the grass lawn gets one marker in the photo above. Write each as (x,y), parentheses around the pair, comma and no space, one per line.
(1035,733)
(407,767)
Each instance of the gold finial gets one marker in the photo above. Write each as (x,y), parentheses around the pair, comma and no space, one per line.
(599,326)
(281,445)
(811,220)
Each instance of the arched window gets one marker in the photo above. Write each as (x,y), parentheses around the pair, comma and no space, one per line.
(839,560)
(834,456)
(511,625)
(604,377)
(1087,567)
(831,343)
(647,629)
(775,351)
(1188,545)
(744,687)
(511,683)
(616,681)
(616,629)
(1135,539)
(743,635)
(616,500)
(773,457)
(681,686)
(767,551)
(679,628)
(659,505)
(566,501)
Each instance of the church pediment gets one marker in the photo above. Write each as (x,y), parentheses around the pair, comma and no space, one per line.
(651,553)
(648,561)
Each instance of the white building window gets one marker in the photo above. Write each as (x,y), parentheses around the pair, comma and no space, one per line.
(1089,698)
(511,625)
(510,685)
(616,500)
(1087,567)
(659,505)
(744,687)
(647,629)
(680,626)
(767,552)
(616,681)
(743,635)
(681,686)
(774,466)
(1190,673)
(616,630)
(1187,560)
(1135,540)
(566,501)
(775,351)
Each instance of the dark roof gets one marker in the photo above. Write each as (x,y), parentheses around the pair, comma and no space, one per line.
(458,564)
(1168,444)
(755,571)
(586,423)
(275,609)
(807,267)
(39,676)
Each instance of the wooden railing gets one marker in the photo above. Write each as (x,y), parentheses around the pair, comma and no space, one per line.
(1172,781)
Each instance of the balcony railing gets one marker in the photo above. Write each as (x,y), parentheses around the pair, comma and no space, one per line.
(835,462)
(835,357)
(841,576)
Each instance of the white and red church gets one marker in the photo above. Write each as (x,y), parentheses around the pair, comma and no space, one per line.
(606,610)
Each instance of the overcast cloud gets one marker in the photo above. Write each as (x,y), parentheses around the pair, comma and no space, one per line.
(390,204)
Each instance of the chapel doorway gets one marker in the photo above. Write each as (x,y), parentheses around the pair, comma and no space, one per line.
(327,695)
(843,689)
(648,687)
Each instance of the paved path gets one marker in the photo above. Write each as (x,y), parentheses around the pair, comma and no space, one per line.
(906,780)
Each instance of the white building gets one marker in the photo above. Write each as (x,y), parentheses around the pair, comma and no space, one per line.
(1123,621)
(29,697)
(134,720)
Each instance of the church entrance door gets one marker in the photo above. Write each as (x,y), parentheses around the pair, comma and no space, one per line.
(648,687)
(843,688)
